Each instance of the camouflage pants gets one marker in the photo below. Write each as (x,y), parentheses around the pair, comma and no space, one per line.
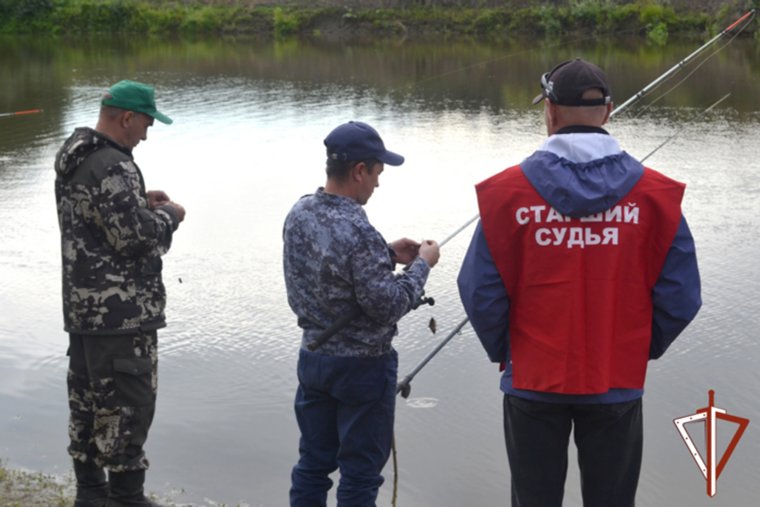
(112,398)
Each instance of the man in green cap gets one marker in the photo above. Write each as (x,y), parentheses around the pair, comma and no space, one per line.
(113,234)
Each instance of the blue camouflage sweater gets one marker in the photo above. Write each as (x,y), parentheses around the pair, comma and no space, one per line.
(334,261)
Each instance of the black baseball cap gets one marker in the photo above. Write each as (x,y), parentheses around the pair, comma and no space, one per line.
(565,84)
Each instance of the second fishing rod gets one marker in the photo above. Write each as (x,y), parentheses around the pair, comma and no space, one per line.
(736,28)
(404,386)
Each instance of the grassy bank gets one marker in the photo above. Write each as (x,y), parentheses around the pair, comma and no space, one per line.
(652,18)
(27,489)
(33,489)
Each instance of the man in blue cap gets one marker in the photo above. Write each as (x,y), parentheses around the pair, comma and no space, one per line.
(336,263)
(113,234)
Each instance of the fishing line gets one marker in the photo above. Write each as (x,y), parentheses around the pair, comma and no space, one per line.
(680,65)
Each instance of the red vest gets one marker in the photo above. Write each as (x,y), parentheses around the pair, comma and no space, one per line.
(580,289)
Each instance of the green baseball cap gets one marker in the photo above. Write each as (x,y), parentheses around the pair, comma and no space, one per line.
(134,96)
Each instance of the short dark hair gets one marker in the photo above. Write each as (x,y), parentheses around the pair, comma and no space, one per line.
(111,111)
(338,169)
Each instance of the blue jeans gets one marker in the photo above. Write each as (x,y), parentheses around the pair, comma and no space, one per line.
(345,408)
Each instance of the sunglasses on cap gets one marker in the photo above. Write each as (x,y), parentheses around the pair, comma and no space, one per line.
(573,85)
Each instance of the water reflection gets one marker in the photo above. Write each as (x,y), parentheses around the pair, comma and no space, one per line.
(38,72)
(249,120)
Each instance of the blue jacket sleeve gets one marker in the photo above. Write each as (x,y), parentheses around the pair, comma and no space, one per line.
(677,294)
(485,298)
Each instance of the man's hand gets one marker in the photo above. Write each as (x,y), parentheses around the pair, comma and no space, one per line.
(157,198)
(178,209)
(430,252)
(406,250)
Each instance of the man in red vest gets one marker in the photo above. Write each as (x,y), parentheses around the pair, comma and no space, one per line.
(581,270)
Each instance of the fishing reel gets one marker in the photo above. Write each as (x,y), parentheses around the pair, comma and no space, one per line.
(423,301)
(404,388)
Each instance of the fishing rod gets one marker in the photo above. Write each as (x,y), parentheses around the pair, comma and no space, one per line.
(694,70)
(654,84)
(353,314)
(404,387)
(19,113)
(666,141)
(453,234)
(344,320)
(637,96)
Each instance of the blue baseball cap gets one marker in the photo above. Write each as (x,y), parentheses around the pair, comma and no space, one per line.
(358,141)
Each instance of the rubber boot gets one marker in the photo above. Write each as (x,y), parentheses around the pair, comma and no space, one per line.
(92,488)
(126,490)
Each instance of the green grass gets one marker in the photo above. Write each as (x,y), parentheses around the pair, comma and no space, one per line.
(655,19)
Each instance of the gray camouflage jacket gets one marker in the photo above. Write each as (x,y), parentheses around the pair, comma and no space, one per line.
(334,262)
(111,243)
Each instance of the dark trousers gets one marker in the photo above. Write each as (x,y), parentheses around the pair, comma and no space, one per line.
(609,439)
(112,398)
(345,408)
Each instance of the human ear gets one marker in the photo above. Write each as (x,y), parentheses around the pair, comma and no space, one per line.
(126,118)
(548,117)
(551,113)
(607,113)
(358,170)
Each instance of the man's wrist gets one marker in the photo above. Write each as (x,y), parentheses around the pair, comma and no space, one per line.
(392,253)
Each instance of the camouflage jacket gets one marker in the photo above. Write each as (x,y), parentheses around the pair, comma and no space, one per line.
(334,262)
(111,243)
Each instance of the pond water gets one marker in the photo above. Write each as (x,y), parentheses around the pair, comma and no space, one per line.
(247,142)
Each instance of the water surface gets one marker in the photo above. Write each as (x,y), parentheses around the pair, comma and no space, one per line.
(247,142)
